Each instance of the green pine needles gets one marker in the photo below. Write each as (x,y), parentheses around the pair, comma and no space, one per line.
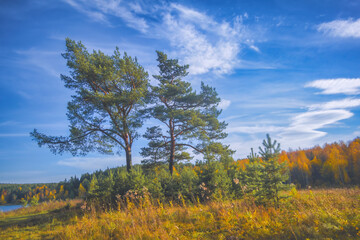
(105,111)
(265,177)
(188,119)
(113,97)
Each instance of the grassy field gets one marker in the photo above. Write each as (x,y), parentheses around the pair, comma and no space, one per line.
(309,214)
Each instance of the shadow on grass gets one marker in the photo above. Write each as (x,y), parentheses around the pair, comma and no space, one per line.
(62,214)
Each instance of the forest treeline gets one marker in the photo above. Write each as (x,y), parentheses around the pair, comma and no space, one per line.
(336,164)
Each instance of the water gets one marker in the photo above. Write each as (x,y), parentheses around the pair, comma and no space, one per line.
(9,208)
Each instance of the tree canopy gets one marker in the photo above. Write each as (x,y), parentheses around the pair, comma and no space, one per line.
(104,112)
(189,118)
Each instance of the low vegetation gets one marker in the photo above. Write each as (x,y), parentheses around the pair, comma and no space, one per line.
(313,214)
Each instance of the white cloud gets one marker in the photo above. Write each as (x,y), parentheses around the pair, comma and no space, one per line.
(300,130)
(193,15)
(200,41)
(95,163)
(255,48)
(97,10)
(337,104)
(356,133)
(94,15)
(349,86)
(341,28)
(304,129)
(254,129)
(242,144)
(204,44)
(319,119)
(305,126)
(224,104)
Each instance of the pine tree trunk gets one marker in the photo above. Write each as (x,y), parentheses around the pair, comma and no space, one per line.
(128,158)
(172,147)
(128,154)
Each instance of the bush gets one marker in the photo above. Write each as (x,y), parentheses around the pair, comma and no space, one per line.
(215,182)
(34,201)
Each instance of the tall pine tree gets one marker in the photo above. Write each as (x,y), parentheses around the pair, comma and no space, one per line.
(104,111)
(189,118)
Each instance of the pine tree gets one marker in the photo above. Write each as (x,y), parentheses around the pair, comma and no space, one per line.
(253,175)
(93,189)
(267,177)
(275,173)
(104,112)
(190,119)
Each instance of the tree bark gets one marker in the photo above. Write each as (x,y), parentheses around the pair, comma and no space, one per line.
(128,158)
(128,153)
(172,148)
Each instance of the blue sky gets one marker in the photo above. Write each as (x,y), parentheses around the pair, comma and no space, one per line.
(288,68)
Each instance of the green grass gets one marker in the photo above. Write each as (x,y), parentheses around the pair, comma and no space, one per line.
(38,222)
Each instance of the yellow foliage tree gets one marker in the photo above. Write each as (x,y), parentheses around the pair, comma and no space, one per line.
(354,155)
(304,166)
(61,191)
(335,166)
(82,191)
(2,199)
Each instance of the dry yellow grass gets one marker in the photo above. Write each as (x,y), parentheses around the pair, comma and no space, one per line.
(316,214)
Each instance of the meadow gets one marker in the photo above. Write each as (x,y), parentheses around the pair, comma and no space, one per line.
(306,214)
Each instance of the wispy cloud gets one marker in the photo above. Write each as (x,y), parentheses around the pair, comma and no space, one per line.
(205,44)
(41,59)
(95,163)
(337,104)
(242,144)
(255,48)
(224,104)
(341,28)
(305,126)
(349,86)
(94,15)
(98,9)
(302,130)
(197,38)
(308,127)
(254,129)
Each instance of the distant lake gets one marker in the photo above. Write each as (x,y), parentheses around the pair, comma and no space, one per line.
(9,208)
